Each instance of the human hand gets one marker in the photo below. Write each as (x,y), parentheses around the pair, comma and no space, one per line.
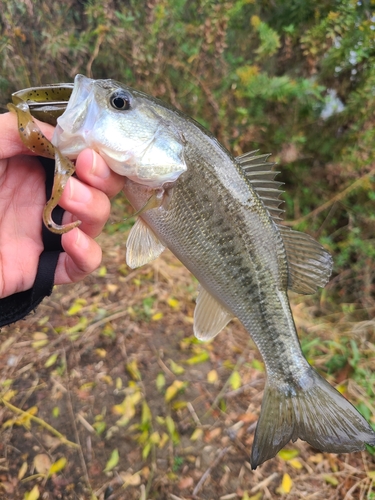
(22,200)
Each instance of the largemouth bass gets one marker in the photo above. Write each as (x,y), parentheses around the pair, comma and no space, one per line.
(220,216)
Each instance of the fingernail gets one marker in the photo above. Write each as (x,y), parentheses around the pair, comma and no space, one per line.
(99,168)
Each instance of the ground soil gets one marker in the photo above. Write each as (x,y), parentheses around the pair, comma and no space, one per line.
(120,332)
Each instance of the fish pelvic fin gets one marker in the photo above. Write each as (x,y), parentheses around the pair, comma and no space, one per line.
(316,413)
(142,245)
(210,317)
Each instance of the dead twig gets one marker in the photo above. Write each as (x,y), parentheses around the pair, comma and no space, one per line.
(193,413)
(208,471)
(80,452)
(264,483)
(39,421)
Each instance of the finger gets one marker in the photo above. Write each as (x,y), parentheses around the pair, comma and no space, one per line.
(93,170)
(87,204)
(11,143)
(83,255)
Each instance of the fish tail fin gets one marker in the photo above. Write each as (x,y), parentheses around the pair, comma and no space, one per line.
(313,411)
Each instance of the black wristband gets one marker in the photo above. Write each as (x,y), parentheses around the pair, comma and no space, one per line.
(18,305)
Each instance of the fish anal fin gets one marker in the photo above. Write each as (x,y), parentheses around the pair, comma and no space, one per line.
(142,245)
(309,263)
(210,317)
(314,412)
(258,171)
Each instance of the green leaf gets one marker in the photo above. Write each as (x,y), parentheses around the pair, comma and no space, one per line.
(33,494)
(172,429)
(175,368)
(99,427)
(113,461)
(174,389)
(51,360)
(146,450)
(160,381)
(235,380)
(199,358)
(331,480)
(102,271)
(55,411)
(197,434)
(287,454)
(76,307)
(146,413)
(133,370)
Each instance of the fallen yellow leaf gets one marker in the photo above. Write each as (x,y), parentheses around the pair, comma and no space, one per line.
(331,480)
(173,303)
(22,471)
(33,494)
(197,434)
(175,368)
(57,466)
(212,377)
(42,463)
(127,408)
(295,463)
(163,440)
(51,360)
(316,459)
(199,358)
(235,380)
(286,485)
(76,307)
(9,394)
(287,454)
(133,370)
(160,381)
(102,271)
(130,479)
(157,316)
(173,390)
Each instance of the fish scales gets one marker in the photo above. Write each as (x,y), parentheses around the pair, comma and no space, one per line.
(232,270)
(218,215)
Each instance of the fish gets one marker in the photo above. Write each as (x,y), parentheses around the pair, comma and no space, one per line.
(221,217)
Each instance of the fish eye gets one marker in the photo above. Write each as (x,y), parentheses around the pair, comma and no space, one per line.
(120,101)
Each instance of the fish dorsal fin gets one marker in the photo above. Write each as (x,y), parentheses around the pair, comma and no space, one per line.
(142,245)
(210,317)
(310,265)
(258,171)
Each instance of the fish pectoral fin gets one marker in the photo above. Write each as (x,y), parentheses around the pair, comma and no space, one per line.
(142,245)
(155,201)
(210,317)
(316,413)
(310,265)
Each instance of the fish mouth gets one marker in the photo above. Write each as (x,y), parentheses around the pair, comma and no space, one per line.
(79,106)
(75,125)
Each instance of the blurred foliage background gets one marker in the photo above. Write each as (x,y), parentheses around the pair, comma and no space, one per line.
(293,78)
